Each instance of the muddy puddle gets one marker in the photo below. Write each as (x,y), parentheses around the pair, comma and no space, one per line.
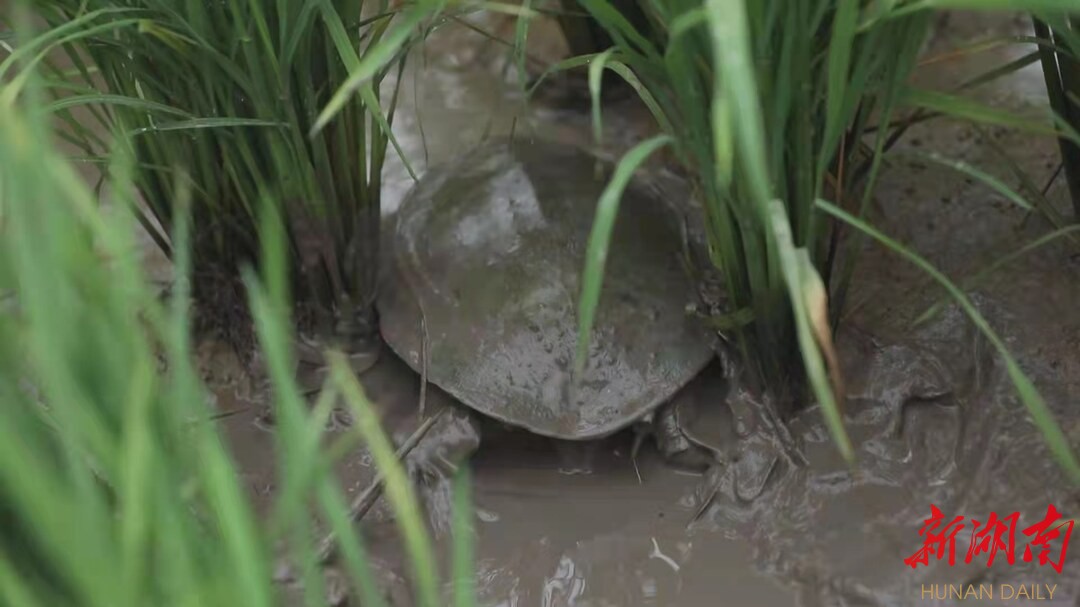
(933,415)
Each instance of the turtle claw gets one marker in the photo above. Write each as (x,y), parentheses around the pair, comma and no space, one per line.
(716,479)
(437,497)
(752,473)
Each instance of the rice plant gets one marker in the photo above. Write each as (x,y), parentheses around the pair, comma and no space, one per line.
(761,102)
(231,94)
(1059,53)
(115,485)
(773,109)
(584,35)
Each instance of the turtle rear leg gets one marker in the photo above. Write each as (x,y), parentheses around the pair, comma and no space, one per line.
(673,444)
(663,427)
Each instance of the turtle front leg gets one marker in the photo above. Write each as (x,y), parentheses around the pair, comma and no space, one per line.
(434,462)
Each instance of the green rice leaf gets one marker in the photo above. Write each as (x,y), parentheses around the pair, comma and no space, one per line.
(840,47)
(521,41)
(1005,5)
(735,94)
(371,63)
(464,576)
(368,95)
(596,70)
(968,109)
(802,283)
(206,123)
(983,274)
(607,209)
(105,99)
(989,180)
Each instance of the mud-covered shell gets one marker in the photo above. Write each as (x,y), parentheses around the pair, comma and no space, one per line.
(492,247)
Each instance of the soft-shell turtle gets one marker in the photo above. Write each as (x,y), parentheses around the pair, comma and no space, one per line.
(481,296)
(487,260)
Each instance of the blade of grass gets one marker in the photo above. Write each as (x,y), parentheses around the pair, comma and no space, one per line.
(989,180)
(206,123)
(607,208)
(236,522)
(596,71)
(103,99)
(802,283)
(464,551)
(983,274)
(968,109)
(366,69)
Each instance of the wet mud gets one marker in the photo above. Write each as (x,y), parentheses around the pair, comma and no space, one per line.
(932,413)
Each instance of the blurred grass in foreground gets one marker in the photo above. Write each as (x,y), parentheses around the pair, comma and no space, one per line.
(115,486)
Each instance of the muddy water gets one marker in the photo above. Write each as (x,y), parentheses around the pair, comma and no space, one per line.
(930,408)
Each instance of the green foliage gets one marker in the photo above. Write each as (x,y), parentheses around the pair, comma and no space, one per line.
(607,209)
(1059,53)
(116,487)
(230,93)
(766,101)
(773,107)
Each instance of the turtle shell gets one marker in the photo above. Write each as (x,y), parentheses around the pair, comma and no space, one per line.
(491,247)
